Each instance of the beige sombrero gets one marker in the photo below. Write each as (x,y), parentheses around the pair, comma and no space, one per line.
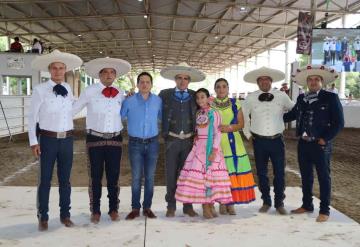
(182,68)
(70,60)
(328,74)
(93,67)
(274,74)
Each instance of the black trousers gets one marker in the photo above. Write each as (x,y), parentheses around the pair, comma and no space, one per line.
(310,154)
(273,149)
(177,151)
(104,154)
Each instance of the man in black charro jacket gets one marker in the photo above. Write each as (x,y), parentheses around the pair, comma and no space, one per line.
(319,118)
(178,126)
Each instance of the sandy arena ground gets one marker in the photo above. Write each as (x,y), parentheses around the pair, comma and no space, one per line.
(19,168)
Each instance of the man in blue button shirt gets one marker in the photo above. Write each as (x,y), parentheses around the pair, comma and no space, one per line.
(142,110)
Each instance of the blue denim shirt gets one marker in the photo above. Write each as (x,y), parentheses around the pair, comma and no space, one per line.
(142,115)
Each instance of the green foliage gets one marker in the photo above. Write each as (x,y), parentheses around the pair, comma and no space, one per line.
(124,83)
(304,60)
(3,43)
(353,84)
(13,85)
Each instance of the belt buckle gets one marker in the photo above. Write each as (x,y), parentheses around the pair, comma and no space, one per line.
(107,135)
(182,135)
(61,135)
(307,139)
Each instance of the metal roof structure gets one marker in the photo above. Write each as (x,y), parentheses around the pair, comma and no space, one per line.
(151,34)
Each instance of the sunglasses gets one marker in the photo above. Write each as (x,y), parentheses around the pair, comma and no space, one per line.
(266,97)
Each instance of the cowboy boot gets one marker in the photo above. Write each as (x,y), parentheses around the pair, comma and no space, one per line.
(222,209)
(207,211)
(230,209)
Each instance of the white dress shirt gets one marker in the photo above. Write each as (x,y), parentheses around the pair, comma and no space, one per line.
(267,116)
(53,113)
(326,46)
(103,114)
(333,46)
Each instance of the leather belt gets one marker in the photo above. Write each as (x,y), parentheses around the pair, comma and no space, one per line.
(103,135)
(141,140)
(267,137)
(58,135)
(181,135)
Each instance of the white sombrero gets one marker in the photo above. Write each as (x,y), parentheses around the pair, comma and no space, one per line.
(70,60)
(328,74)
(93,67)
(182,68)
(274,74)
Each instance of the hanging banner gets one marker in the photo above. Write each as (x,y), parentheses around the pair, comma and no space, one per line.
(304,33)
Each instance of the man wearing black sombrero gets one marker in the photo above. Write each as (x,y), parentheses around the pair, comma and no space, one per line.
(319,118)
(263,114)
(51,108)
(178,126)
(103,126)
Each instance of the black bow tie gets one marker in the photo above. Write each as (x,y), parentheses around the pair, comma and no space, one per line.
(60,90)
(266,97)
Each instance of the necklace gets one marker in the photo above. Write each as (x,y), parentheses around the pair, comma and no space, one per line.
(221,104)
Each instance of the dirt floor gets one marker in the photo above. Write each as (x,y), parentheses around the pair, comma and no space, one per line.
(19,168)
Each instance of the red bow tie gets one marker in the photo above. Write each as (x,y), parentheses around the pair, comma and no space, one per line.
(110,92)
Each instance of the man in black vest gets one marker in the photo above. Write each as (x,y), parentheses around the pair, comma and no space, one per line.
(319,118)
(178,125)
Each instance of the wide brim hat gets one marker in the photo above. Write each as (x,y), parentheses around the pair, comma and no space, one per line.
(70,60)
(274,74)
(328,74)
(93,67)
(182,68)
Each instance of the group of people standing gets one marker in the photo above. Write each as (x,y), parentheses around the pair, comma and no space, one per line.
(205,158)
(341,50)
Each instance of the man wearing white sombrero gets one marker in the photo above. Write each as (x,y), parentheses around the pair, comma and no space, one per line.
(263,115)
(103,127)
(51,108)
(178,126)
(319,118)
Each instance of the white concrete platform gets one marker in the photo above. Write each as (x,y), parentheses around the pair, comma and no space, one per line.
(18,224)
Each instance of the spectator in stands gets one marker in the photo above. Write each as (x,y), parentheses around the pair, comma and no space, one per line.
(333,89)
(36,47)
(16,46)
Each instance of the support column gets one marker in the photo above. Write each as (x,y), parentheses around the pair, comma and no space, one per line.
(287,67)
(28,86)
(1,84)
(7,86)
(343,73)
(19,86)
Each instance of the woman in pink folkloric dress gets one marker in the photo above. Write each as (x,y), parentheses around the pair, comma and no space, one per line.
(204,178)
